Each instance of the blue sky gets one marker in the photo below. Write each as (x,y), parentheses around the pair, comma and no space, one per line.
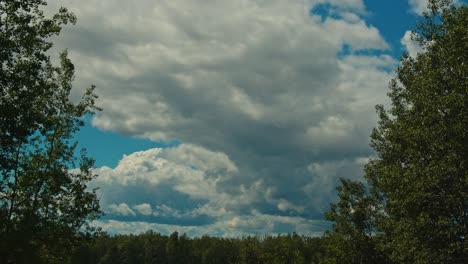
(231,117)
(108,147)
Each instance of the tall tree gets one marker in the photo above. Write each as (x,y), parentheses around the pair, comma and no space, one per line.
(422,140)
(419,179)
(353,239)
(44,205)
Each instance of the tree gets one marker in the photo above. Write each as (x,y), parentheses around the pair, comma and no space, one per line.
(44,204)
(419,179)
(353,239)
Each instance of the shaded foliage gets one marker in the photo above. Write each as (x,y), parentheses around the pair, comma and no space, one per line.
(354,217)
(44,206)
(151,247)
(416,209)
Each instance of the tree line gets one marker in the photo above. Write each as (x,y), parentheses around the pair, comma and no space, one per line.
(412,207)
(152,247)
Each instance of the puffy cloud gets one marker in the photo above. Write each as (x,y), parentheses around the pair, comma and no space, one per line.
(187,169)
(411,46)
(285,205)
(256,91)
(420,6)
(151,187)
(144,208)
(121,209)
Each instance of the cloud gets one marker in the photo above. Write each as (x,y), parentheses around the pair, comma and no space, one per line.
(256,91)
(234,227)
(188,169)
(343,5)
(165,187)
(420,6)
(411,46)
(144,209)
(284,205)
(121,209)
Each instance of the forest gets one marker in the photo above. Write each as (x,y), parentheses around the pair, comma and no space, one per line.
(411,208)
(152,247)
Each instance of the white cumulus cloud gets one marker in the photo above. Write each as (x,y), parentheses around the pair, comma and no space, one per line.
(144,208)
(411,46)
(121,209)
(418,6)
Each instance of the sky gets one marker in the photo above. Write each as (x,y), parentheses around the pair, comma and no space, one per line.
(231,118)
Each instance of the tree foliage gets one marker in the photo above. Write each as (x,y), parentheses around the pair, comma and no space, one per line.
(419,181)
(44,205)
(152,247)
(354,232)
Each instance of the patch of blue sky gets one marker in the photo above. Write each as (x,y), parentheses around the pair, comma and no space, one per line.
(108,148)
(185,220)
(391,18)
(324,11)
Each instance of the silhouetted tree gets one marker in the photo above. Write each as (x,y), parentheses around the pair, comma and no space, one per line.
(419,182)
(44,206)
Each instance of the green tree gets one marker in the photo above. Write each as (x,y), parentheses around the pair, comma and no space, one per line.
(353,239)
(155,248)
(173,249)
(419,181)
(44,206)
(250,251)
(421,173)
